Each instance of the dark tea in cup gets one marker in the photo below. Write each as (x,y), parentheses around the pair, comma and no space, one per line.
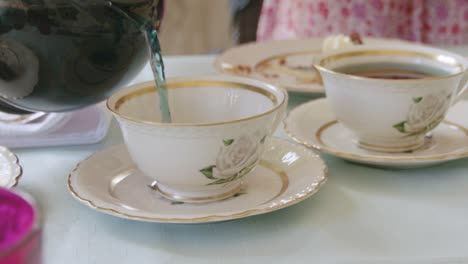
(395,71)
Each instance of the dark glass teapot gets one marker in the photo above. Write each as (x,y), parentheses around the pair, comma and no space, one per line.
(61,55)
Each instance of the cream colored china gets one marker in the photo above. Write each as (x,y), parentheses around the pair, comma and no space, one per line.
(10,170)
(219,125)
(392,115)
(313,124)
(109,182)
(287,63)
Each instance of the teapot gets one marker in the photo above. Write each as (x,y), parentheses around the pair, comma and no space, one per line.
(62,55)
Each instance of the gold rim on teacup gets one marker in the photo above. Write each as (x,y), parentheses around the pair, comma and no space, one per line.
(149,87)
(440,58)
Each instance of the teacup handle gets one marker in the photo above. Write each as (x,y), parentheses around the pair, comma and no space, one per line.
(461,89)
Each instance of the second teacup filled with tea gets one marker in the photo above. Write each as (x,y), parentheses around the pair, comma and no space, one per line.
(216,137)
(392,96)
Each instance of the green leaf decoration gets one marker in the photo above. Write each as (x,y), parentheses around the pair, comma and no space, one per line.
(175,203)
(415,133)
(417,99)
(220,181)
(429,127)
(245,170)
(263,139)
(228,142)
(234,177)
(240,193)
(400,127)
(208,172)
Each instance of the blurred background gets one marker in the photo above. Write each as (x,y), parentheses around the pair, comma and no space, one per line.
(207,26)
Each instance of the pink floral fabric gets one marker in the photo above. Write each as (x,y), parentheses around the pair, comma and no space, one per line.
(440,22)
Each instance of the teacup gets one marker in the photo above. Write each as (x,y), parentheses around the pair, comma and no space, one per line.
(391,96)
(217,135)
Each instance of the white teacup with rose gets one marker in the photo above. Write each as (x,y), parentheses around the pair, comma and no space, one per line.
(391,96)
(216,139)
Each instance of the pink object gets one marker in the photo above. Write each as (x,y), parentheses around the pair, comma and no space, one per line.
(20,234)
(428,21)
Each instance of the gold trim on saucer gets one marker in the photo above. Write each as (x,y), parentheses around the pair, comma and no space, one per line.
(281,173)
(148,87)
(441,58)
(456,126)
(305,78)
(318,136)
(20,172)
(324,149)
(16,163)
(232,69)
(210,218)
(264,64)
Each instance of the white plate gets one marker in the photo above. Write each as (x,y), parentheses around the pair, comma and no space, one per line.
(313,124)
(109,183)
(10,170)
(287,63)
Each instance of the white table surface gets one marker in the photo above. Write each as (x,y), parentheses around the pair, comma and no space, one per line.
(362,214)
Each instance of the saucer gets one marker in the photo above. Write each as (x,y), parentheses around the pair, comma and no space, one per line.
(10,170)
(314,125)
(109,182)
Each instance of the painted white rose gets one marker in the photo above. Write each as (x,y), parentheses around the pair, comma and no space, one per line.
(426,112)
(236,155)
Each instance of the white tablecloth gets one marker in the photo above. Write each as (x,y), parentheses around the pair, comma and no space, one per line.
(362,214)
